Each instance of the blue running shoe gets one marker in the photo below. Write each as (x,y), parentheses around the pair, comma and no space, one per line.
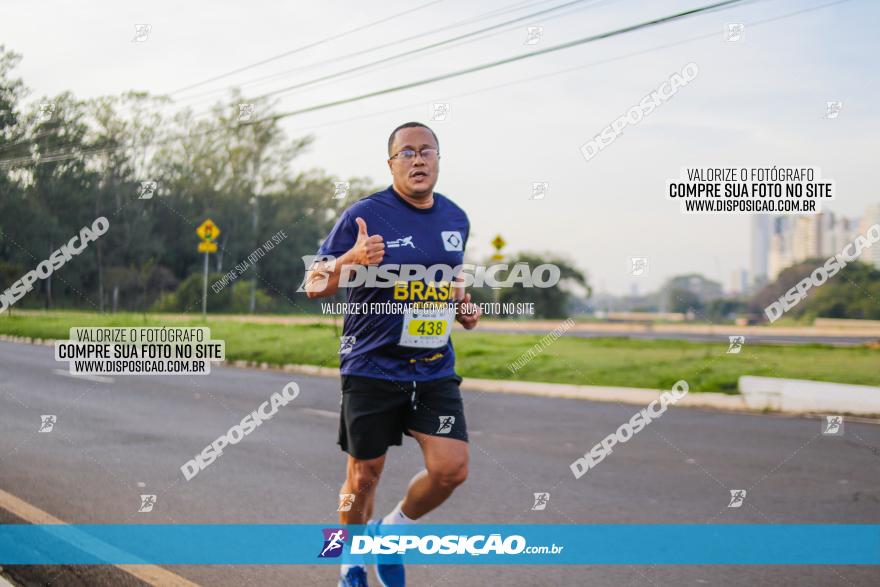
(389,574)
(355,577)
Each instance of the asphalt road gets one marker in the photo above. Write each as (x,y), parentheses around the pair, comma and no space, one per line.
(115,440)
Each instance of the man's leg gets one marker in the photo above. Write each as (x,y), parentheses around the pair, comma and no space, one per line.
(446,467)
(361,479)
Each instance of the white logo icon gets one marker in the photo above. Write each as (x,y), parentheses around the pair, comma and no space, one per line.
(735,32)
(638,265)
(736,343)
(832,109)
(439,111)
(737,496)
(346,500)
(147,189)
(47,422)
(47,109)
(452,240)
(335,542)
(541,500)
(141,33)
(401,242)
(322,266)
(446,424)
(533,35)
(245,112)
(147,503)
(340,189)
(346,344)
(539,190)
(832,425)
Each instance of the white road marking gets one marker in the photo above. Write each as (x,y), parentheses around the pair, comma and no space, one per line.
(325,413)
(98,378)
(150,574)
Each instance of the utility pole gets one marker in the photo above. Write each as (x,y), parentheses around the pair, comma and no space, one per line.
(208,232)
(254,218)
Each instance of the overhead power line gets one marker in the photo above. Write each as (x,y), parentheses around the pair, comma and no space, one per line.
(304,47)
(492,64)
(428,47)
(532,78)
(559,47)
(374,48)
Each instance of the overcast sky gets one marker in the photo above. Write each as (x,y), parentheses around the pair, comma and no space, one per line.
(759,101)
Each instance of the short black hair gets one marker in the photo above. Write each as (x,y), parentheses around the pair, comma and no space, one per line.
(410,125)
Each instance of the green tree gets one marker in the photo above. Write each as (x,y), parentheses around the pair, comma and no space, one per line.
(550,302)
(684,301)
(854,292)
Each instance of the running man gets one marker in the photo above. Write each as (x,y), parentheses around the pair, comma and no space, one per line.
(398,368)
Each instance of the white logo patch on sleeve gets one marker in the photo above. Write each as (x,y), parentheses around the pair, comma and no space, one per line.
(452,240)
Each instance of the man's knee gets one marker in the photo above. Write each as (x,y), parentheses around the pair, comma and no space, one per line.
(364,475)
(450,474)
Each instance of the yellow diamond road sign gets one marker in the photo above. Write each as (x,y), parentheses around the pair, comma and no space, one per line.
(208,231)
(207,247)
(498,243)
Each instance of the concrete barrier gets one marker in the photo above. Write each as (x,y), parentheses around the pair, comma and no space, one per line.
(803,396)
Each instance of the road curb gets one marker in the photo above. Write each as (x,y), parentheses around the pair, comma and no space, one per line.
(600,393)
(626,395)
(27,340)
(623,395)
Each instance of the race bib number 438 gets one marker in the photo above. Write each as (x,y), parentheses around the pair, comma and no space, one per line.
(426,327)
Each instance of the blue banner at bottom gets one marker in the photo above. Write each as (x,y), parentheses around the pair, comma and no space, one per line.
(521,544)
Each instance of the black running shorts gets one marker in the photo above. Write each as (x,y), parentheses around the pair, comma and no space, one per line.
(376,413)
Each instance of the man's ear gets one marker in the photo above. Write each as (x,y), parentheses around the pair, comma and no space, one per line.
(390,168)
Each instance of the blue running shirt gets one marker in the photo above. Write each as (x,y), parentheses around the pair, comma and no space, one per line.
(371,342)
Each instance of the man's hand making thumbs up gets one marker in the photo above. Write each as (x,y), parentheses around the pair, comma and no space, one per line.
(367,250)
(323,277)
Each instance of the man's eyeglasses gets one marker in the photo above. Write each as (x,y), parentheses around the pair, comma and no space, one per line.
(409,154)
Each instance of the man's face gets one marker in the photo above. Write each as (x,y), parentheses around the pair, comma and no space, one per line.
(414,177)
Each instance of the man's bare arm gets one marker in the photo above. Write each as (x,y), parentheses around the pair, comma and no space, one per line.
(323,277)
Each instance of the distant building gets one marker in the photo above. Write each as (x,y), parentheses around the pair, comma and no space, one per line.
(797,238)
(780,254)
(806,238)
(761,225)
(871,254)
(739,283)
(844,231)
(704,290)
